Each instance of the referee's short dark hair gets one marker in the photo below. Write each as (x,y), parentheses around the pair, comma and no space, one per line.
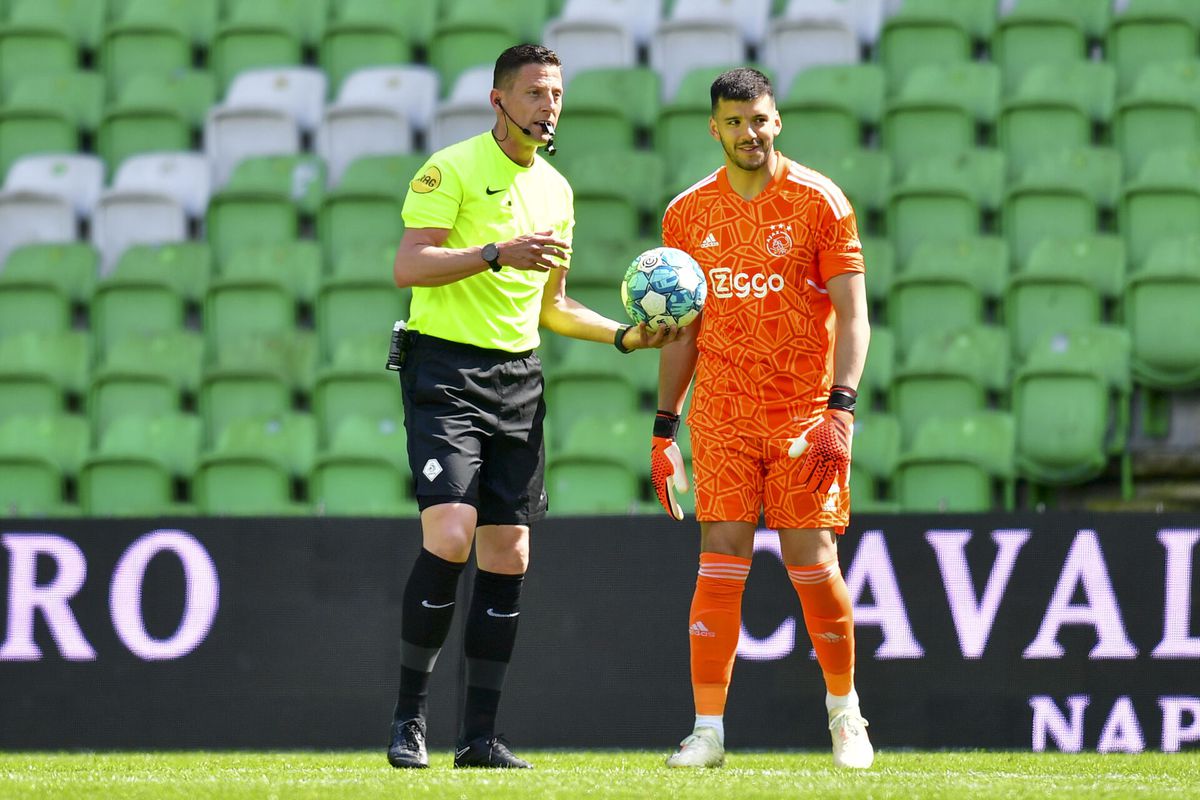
(511,60)
(744,83)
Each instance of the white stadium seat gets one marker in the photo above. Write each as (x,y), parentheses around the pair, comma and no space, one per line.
(78,178)
(125,218)
(181,175)
(299,91)
(232,134)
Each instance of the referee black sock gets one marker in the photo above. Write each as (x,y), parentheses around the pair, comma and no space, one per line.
(428,609)
(490,633)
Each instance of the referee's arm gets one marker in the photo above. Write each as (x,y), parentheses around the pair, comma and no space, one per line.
(567,317)
(421,260)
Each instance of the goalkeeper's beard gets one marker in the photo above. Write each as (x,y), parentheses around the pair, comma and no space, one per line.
(749,162)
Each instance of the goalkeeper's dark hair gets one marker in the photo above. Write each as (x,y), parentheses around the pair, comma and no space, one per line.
(511,60)
(744,83)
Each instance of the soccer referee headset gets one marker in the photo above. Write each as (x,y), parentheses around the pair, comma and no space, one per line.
(486,249)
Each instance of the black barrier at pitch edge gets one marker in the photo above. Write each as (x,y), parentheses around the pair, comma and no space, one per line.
(1054,631)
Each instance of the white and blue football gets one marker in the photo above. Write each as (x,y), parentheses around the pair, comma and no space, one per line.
(664,287)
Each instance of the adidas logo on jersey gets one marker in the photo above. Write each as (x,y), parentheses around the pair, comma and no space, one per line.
(698,628)
(710,241)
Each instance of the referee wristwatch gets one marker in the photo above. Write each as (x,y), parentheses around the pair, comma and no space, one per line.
(491,254)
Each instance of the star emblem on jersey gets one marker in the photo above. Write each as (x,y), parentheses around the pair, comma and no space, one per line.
(431,469)
(779,239)
(709,241)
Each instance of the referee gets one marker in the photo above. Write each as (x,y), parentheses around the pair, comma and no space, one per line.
(486,248)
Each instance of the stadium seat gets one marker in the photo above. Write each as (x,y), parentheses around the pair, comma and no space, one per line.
(1055,107)
(1160,312)
(880,365)
(239,218)
(462,43)
(292,356)
(420,17)
(879,257)
(75,178)
(355,387)
(388,175)
(61,439)
(182,93)
(126,218)
(231,393)
(306,18)
(297,91)
(299,179)
(1092,16)
(264,40)
(922,212)
(918,37)
(1162,111)
(378,112)
(28,218)
(32,128)
(684,46)
(117,393)
(1161,202)
(981,260)
(612,190)
(947,373)
(33,49)
(937,110)
(125,307)
(579,386)
(294,265)
(589,43)
(926,301)
(232,134)
(136,464)
(639,17)
(176,356)
(876,448)
(1071,407)
(467,111)
(239,309)
(620,439)
(184,266)
(70,267)
(244,484)
(607,109)
(796,45)
(160,46)
(838,102)
(289,439)
(1098,259)
(198,18)
(56,360)
(589,485)
(350,307)
(360,485)
(129,131)
(181,175)
(38,306)
(959,464)
(76,97)
(1045,33)
(355,214)
(351,45)
(1148,31)
(1040,207)
(30,487)
(1055,297)
(979,171)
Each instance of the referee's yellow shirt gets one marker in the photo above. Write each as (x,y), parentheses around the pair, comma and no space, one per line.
(480,195)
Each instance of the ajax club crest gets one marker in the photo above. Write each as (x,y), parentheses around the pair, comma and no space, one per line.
(779,239)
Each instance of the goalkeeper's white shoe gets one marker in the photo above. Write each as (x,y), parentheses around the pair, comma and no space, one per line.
(702,749)
(851,746)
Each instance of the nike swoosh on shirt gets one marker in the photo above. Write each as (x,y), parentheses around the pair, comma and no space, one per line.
(491,612)
(461,752)
(490,190)
(428,604)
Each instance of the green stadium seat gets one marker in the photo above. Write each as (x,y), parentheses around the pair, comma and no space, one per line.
(917,37)
(581,386)
(386,174)
(77,96)
(924,211)
(979,171)
(262,40)
(876,449)
(238,309)
(604,300)
(288,439)
(937,110)
(949,373)
(291,355)
(42,370)
(1045,33)
(591,485)
(295,265)
(360,486)
(160,46)
(959,464)
(299,178)
(613,190)
(880,364)
(177,356)
(352,215)
(608,107)
(61,439)
(1161,202)
(117,393)
(231,393)
(523,18)
(181,93)
(1092,16)
(137,463)
(1045,297)
(836,90)
(198,18)
(352,44)
(355,385)
(602,264)
(1042,207)
(38,306)
(353,306)
(30,487)
(982,260)
(71,267)
(360,435)
(926,301)
(879,256)
(419,16)
(373,261)
(1097,171)
(244,485)
(83,20)
(1148,31)
(184,266)
(699,161)
(1161,300)
(621,439)
(458,45)
(1054,108)
(864,175)
(1162,111)
(1071,407)
(123,308)
(33,128)
(240,218)
(129,130)
(33,49)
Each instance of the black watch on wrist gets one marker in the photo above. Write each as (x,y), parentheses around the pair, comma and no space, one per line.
(491,254)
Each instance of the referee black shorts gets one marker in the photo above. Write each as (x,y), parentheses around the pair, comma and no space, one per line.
(474,422)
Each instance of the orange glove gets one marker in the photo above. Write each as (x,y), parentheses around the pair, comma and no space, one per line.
(826,451)
(666,463)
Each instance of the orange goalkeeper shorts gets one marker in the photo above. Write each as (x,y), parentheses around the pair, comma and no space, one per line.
(737,478)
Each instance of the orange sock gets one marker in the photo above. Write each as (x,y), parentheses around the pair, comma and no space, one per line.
(714,626)
(827,615)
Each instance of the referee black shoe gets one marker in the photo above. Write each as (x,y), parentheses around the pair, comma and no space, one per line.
(407,749)
(488,751)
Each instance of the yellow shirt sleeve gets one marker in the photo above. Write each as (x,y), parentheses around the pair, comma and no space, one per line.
(434,197)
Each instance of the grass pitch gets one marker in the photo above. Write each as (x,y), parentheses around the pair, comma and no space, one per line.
(624,774)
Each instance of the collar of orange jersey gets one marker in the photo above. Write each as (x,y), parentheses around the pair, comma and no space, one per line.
(777,179)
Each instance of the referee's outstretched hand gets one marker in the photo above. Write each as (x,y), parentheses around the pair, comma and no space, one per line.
(644,337)
(539,251)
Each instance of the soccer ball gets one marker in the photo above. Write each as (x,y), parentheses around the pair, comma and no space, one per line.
(664,288)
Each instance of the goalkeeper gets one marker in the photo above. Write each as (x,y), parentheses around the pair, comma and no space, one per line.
(776,357)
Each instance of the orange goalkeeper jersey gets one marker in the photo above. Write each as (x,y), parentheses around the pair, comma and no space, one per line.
(766,341)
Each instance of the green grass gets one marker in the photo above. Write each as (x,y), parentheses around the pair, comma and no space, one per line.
(901,775)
